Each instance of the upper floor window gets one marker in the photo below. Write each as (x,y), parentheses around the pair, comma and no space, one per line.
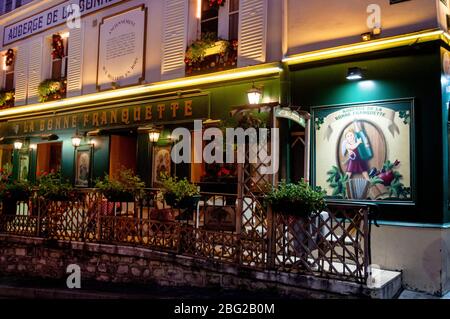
(60,44)
(8,70)
(10,5)
(221,18)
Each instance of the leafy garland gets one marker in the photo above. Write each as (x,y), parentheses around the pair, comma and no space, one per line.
(57,47)
(9,57)
(51,88)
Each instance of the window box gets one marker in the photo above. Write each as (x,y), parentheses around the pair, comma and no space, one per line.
(6,99)
(205,56)
(51,90)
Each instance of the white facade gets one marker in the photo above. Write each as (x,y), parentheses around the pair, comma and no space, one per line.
(171,25)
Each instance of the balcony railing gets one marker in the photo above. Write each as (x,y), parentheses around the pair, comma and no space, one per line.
(332,244)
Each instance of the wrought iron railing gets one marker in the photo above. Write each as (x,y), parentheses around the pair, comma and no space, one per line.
(225,228)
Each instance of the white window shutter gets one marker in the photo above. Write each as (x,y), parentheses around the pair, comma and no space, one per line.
(21,75)
(34,70)
(252,32)
(75,61)
(174,38)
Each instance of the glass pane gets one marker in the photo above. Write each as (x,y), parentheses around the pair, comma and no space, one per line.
(56,69)
(233,26)
(210,26)
(9,81)
(234,5)
(208,12)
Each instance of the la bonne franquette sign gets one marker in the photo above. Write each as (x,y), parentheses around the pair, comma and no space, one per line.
(52,17)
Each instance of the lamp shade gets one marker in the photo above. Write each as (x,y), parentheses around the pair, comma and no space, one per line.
(254,95)
(76,140)
(153,136)
(354,74)
(18,145)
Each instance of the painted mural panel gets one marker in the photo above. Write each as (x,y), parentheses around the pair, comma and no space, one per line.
(364,152)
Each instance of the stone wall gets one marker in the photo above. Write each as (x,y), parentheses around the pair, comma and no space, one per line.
(36,257)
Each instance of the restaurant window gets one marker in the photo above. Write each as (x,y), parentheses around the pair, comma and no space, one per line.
(8,5)
(233,24)
(122,153)
(59,59)
(214,21)
(49,157)
(6,158)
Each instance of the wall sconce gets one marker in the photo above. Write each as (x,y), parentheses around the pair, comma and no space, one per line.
(366,36)
(254,95)
(354,74)
(93,133)
(18,145)
(49,137)
(76,140)
(153,135)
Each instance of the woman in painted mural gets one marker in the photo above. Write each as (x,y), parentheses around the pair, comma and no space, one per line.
(357,145)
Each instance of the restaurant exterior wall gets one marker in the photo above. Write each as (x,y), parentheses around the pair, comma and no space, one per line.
(411,74)
(414,73)
(343,22)
(211,101)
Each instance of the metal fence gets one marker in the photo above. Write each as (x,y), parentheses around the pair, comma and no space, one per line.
(331,244)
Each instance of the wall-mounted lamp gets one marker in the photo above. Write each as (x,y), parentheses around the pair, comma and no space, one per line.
(49,137)
(76,140)
(18,145)
(254,95)
(153,135)
(93,133)
(33,147)
(354,74)
(366,36)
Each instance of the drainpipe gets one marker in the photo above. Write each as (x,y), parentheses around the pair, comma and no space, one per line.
(284,125)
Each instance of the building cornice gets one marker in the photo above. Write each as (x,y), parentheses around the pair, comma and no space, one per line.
(147,90)
(367,47)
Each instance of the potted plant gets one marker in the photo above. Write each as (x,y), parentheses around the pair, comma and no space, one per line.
(12,192)
(124,188)
(180,193)
(6,98)
(52,187)
(51,89)
(299,199)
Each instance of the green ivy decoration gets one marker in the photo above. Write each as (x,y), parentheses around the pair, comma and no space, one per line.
(319,121)
(405,116)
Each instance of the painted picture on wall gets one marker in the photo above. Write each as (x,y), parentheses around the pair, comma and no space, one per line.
(24,166)
(363,152)
(83,167)
(161,163)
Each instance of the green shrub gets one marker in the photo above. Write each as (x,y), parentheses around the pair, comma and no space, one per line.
(177,191)
(51,186)
(124,188)
(296,199)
